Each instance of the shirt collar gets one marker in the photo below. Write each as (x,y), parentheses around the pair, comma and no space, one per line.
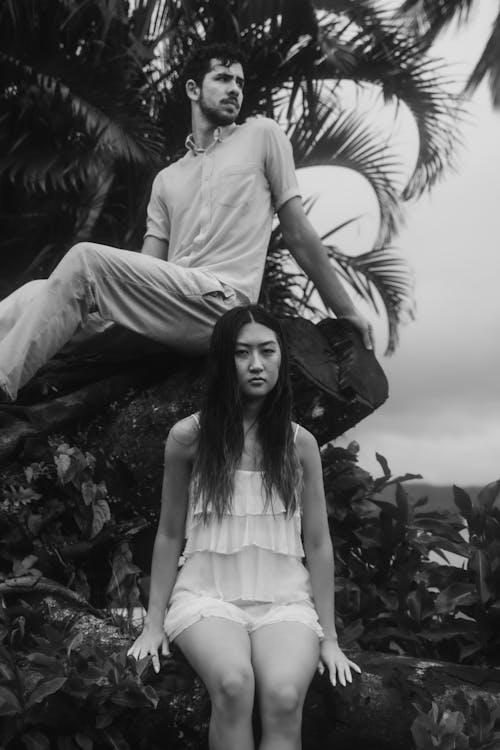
(220,134)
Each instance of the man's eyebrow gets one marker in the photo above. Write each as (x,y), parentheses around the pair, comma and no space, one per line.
(228,73)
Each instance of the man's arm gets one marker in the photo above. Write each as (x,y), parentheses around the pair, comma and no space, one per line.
(305,245)
(155,247)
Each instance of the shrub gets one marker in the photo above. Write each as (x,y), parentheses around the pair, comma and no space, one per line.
(390,596)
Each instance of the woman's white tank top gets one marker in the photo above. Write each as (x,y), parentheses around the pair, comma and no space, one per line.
(254,553)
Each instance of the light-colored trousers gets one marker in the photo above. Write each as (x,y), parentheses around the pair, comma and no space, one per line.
(172,304)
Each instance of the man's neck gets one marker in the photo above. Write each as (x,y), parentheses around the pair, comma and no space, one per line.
(205,133)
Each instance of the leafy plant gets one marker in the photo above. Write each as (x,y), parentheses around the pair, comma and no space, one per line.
(390,594)
(60,690)
(472,725)
(74,470)
(58,531)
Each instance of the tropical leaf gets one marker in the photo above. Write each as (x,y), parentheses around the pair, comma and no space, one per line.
(383,53)
(383,271)
(488,65)
(428,18)
(43,689)
(344,138)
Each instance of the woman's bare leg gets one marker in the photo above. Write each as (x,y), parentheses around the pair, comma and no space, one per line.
(219,651)
(284,657)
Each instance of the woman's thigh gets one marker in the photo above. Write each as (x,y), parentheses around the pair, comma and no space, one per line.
(285,656)
(219,651)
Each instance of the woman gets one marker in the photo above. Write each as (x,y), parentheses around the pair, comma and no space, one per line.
(240,479)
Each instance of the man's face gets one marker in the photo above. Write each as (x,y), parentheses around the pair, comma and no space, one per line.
(221,93)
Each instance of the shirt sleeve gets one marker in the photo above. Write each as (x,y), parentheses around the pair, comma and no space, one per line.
(279,166)
(158,219)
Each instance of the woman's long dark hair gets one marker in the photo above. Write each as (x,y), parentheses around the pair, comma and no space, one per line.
(221,438)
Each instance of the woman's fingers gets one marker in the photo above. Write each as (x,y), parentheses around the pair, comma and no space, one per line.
(156,661)
(354,666)
(341,675)
(133,651)
(140,650)
(342,672)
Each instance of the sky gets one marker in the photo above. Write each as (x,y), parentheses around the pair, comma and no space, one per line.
(442,418)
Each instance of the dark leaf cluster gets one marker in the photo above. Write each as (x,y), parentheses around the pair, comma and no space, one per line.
(395,587)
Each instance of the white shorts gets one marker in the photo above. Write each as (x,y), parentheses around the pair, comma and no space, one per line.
(187,608)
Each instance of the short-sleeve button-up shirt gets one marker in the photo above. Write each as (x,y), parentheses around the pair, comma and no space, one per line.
(215,207)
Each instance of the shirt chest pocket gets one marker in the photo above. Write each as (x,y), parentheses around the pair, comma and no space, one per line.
(235,186)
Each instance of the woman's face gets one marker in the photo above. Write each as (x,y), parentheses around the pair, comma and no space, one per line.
(257,357)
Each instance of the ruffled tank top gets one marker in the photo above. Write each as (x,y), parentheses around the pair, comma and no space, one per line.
(254,553)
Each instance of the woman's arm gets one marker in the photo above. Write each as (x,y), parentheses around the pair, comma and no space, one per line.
(179,451)
(319,557)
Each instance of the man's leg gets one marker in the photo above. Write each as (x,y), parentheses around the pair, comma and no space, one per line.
(13,306)
(174,305)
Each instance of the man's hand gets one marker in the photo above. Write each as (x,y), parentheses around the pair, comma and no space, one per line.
(364,327)
(306,247)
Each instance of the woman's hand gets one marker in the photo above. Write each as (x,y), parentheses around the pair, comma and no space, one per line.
(149,643)
(339,666)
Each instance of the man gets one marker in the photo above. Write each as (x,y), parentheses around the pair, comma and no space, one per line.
(208,227)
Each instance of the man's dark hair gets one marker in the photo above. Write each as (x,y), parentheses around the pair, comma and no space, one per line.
(197,64)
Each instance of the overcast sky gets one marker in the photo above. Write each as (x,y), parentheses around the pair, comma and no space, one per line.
(442,418)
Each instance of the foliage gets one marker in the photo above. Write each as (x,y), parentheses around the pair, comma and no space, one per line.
(91,108)
(78,142)
(395,590)
(430,18)
(85,699)
(475,725)
(57,528)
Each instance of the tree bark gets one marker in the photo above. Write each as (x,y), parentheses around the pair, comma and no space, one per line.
(336,383)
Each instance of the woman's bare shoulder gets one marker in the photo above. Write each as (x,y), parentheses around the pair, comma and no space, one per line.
(306,443)
(183,438)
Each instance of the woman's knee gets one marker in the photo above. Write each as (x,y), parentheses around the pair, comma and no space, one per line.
(234,689)
(282,703)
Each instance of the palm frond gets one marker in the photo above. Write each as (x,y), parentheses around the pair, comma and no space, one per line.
(427,18)
(344,138)
(489,65)
(378,275)
(382,54)
(384,271)
(126,134)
